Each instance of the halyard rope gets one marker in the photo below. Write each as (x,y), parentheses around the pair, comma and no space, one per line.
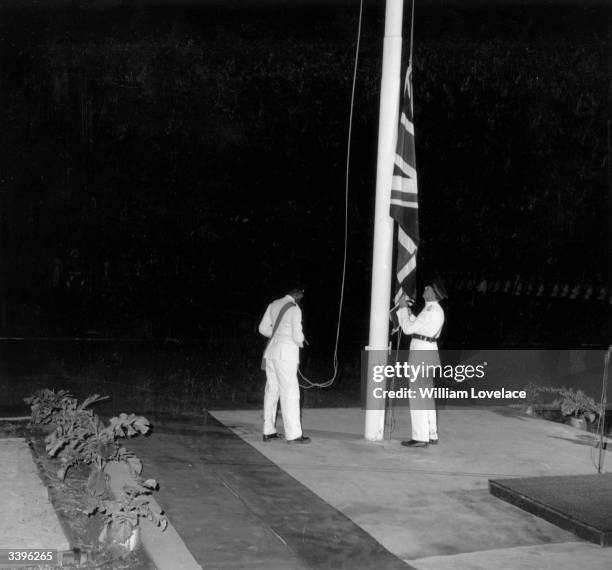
(326,383)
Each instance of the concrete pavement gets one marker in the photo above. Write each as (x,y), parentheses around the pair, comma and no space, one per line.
(431,507)
(235,509)
(28,519)
(341,502)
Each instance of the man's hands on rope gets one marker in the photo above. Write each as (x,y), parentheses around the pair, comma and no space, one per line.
(406,302)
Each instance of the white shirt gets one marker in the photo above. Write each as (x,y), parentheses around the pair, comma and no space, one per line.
(428,323)
(289,337)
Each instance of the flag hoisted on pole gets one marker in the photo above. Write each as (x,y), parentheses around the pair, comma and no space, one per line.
(404,196)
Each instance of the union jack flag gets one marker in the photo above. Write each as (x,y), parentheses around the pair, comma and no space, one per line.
(404,197)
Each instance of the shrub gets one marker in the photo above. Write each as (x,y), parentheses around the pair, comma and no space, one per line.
(574,403)
(81,437)
(122,515)
(45,403)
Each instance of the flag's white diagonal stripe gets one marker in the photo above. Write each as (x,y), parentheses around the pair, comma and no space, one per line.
(406,241)
(404,194)
(407,269)
(407,124)
(406,168)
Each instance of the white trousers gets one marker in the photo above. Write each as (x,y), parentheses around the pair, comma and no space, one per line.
(282,383)
(424,424)
(423,420)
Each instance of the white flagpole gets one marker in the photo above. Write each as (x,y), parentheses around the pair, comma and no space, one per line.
(383,223)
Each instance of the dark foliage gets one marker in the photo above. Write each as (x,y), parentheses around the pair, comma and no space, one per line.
(200,154)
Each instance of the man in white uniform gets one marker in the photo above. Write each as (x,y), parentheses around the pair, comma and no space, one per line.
(425,330)
(282,324)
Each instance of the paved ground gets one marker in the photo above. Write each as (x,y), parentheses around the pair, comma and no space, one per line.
(342,502)
(431,507)
(236,509)
(28,519)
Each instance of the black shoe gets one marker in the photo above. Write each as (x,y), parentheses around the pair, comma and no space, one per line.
(271,436)
(434,441)
(302,439)
(415,443)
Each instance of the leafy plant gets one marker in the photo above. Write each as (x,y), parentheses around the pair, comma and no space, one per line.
(71,415)
(88,440)
(45,403)
(75,423)
(122,515)
(81,437)
(574,403)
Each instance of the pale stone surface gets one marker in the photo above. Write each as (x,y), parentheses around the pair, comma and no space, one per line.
(28,519)
(431,507)
(563,556)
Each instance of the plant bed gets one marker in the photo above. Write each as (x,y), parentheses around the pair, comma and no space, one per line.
(556,415)
(68,438)
(553,415)
(570,406)
(70,498)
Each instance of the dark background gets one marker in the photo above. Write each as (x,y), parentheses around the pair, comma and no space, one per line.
(167,167)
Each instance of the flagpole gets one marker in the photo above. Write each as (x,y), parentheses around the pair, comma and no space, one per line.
(383,223)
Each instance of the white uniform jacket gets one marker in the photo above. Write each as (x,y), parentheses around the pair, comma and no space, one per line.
(289,337)
(428,323)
